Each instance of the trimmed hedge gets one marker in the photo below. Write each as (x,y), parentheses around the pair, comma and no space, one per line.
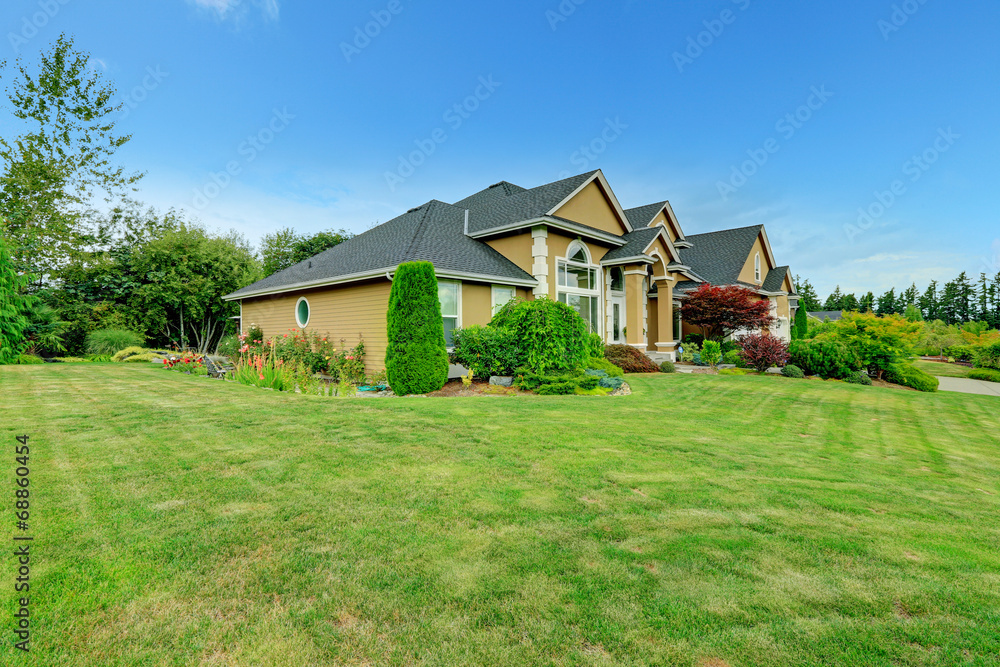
(984,374)
(487,351)
(630,359)
(859,377)
(988,355)
(668,367)
(825,358)
(792,371)
(416,358)
(552,336)
(908,375)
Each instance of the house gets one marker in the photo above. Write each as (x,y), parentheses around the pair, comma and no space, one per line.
(623,270)
(742,257)
(825,315)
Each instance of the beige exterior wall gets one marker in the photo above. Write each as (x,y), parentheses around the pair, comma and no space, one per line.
(747,274)
(590,207)
(516,248)
(661,219)
(337,312)
(477,303)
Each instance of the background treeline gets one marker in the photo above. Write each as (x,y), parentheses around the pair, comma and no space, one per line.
(80,253)
(956,302)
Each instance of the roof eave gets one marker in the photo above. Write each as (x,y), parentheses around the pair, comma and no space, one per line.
(551,222)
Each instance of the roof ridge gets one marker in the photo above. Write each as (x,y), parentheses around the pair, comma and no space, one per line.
(722,231)
(419,227)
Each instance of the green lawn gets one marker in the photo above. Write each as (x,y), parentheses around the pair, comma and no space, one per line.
(702,521)
(940,369)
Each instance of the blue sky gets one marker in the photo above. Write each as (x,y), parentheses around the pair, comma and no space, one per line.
(681,101)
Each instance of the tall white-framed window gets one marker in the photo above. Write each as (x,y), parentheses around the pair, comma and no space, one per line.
(578,284)
(502,295)
(756,268)
(678,324)
(450,295)
(302,313)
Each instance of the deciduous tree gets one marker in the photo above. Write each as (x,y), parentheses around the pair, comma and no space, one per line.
(723,311)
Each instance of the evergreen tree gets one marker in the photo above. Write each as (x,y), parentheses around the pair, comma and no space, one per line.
(867,303)
(909,297)
(835,301)
(983,299)
(966,297)
(416,359)
(949,308)
(850,303)
(929,302)
(886,304)
(808,299)
(913,314)
(801,327)
(15,307)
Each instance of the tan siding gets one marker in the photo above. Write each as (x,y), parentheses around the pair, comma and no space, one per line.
(661,219)
(477,303)
(590,207)
(337,312)
(516,248)
(747,274)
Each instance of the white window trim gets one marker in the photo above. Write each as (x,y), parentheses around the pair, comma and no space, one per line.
(494,306)
(458,306)
(611,280)
(302,325)
(595,293)
(756,268)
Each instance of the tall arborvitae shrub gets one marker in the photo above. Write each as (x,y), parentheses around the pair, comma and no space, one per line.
(15,306)
(801,328)
(416,359)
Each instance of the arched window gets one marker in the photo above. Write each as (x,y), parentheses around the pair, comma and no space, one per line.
(578,284)
(617,280)
(756,268)
(302,313)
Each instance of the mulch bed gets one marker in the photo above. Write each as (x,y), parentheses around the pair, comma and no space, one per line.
(455,388)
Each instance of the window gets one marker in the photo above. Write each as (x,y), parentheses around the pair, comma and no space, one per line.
(302,313)
(450,295)
(617,280)
(501,296)
(756,268)
(678,325)
(578,285)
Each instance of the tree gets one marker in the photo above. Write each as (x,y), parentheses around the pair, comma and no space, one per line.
(886,304)
(808,299)
(416,358)
(867,303)
(928,302)
(913,314)
(54,170)
(762,351)
(15,308)
(181,278)
(907,299)
(850,303)
(723,311)
(801,323)
(879,341)
(285,248)
(835,301)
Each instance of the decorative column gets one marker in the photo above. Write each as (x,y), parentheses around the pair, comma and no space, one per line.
(635,307)
(665,317)
(540,260)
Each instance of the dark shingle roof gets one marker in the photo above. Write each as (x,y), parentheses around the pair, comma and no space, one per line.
(490,194)
(774,282)
(489,210)
(823,315)
(718,257)
(635,243)
(641,216)
(433,232)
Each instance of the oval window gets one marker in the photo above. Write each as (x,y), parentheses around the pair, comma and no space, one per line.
(302,313)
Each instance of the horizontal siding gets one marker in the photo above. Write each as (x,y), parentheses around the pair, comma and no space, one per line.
(336,312)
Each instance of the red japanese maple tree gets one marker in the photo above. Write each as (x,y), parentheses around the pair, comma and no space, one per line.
(723,311)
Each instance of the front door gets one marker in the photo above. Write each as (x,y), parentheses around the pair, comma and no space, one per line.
(617,321)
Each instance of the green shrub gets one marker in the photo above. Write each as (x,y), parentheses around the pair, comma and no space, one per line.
(487,351)
(859,377)
(416,358)
(122,355)
(630,359)
(611,383)
(595,346)
(908,375)
(603,364)
(15,308)
(825,358)
(229,346)
(29,360)
(71,360)
(145,358)
(110,341)
(696,339)
(689,350)
(557,389)
(988,355)
(668,367)
(733,357)
(552,335)
(711,353)
(729,346)
(792,371)
(961,352)
(985,374)
(735,371)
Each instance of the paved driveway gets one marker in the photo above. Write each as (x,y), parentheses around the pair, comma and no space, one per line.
(967,386)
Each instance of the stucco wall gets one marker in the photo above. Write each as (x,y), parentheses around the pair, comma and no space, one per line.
(590,207)
(516,248)
(747,274)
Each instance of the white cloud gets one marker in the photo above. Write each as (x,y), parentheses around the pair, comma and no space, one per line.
(237,9)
